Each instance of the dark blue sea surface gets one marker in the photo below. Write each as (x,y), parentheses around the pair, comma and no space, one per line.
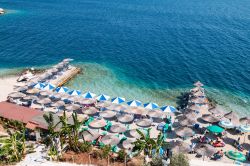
(155,47)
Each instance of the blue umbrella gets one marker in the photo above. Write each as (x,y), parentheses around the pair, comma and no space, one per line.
(62,89)
(103,97)
(49,87)
(89,95)
(118,100)
(134,103)
(168,109)
(39,86)
(74,92)
(151,105)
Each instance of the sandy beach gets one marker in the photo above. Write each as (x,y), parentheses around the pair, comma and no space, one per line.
(6,86)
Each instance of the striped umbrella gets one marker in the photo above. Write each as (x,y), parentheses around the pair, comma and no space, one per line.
(151,106)
(103,97)
(89,95)
(62,89)
(74,92)
(49,87)
(134,103)
(118,100)
(235,155)
(39,86)
(244,128)
(226,124)
(168,109)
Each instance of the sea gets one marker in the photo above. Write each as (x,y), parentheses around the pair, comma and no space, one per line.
(149,50)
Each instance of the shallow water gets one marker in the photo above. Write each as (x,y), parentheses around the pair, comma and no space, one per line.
(146,50)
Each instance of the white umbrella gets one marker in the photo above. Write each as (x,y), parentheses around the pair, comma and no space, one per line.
(151,106)
(89,95)
(134,103)
(118,100)
(103,97)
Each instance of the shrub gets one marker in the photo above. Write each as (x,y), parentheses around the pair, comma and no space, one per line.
(156,161)
(106,151)
(96,154)
(179,160)
(85,147)
(121,155)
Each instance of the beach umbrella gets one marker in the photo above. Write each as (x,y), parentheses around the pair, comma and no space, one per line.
(205,150)
(32,91)
(184,132)
(199,95)
(87,101)
(58,104)
(39,85)
(44,101)
(226,124)
(72,107)
(151,106)
(136,110)
(21,88)
(144,122)
(244,128)
(46,93)
(110,140)
(107,114)
(180,147)
(74,92)
(134,103)
(103,104)
(198,84)
(232,116)
(235,155)
(125,118)
(90,135)
(89,110)
(103,97)
(88,95)
(186,121)
(245,120)
(209,118)
(196,89)
(128,144)
(30,97)
(62,89)
(197,100)
(155,114)
(191,115)
(118,128)
(216,111)
(16,95)
(168,109)
(215,129)
(118,100)
(117,107)
(97,123)
(58,95)
(49,87)
(133,133)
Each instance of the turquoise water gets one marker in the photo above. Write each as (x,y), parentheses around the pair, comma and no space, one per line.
(146,50)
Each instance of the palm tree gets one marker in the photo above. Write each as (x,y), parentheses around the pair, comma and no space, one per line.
(75,127)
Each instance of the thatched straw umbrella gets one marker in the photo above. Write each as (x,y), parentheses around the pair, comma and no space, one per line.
(117,107)
(118,128)
(107,114)
(97,123)
(210,118)
(16,95)
(180,147)
(194,107)
(58,95)
(128,144)
(21,88)
(89,110)
(205,150)
(198,84)
(216,111)
(232,116)
(103,104)
(58,104)
(125,118)
(184,132)
(72,107)
(198,94)
(190,115)
(46,93)
(196,89)
(133,133)
(110,140)
(90,135)
(32,91)
(44,101)
(186,121)
(144,123)
(136,110)
(87,101)
(245,120)
(156,114)
(30,97)
(198,100)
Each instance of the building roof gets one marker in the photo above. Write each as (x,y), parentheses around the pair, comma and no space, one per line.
(21,114)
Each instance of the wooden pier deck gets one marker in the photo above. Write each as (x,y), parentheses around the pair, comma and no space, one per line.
(69,74)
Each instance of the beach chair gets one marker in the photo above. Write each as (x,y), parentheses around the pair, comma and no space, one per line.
(89,121)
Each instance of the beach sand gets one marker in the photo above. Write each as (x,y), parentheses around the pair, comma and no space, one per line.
(6,86)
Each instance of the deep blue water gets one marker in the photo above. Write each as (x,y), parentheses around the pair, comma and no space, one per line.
(160,44)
